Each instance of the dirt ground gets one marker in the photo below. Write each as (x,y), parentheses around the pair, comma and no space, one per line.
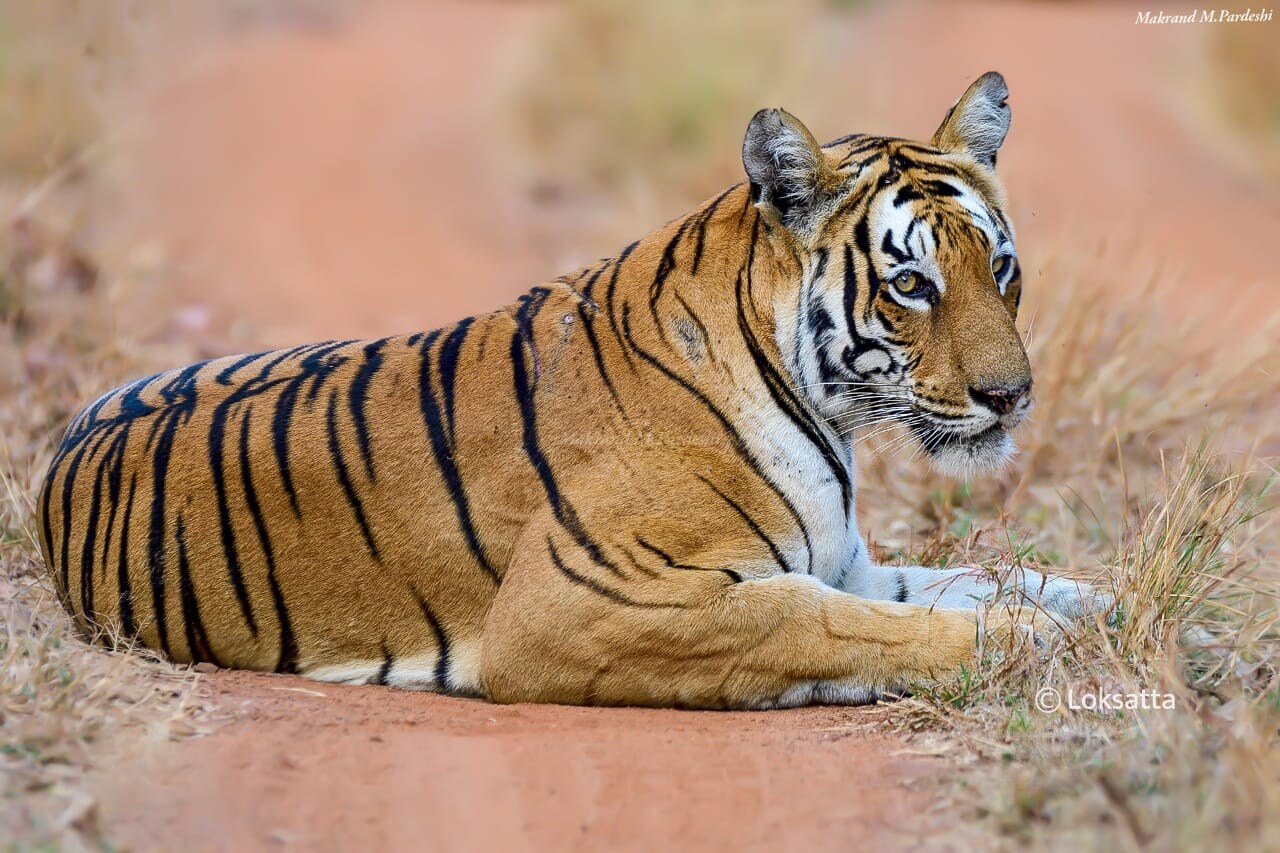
(366,768)
(317,178)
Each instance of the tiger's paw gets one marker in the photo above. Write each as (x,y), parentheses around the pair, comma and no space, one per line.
(1010,629)
(1075,601)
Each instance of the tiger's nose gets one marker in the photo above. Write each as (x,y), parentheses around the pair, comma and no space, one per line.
(1001,399)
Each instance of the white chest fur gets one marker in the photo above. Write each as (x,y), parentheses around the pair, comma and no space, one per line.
(829,547)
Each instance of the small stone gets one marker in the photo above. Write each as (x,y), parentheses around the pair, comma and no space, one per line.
(205,667)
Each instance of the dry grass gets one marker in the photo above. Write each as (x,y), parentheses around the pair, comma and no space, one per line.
(53,77)
(67,703)
(1117,483)
(66,333)
(63,701)
(594,75)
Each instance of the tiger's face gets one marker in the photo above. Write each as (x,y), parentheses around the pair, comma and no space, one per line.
(906,309)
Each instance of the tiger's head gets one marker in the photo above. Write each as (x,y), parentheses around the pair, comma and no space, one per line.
(910,283)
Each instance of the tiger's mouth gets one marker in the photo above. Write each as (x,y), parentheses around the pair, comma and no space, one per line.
(958,453)
(933,437)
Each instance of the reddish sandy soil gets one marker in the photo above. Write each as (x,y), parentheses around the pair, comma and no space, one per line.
(316,766)
(338,178)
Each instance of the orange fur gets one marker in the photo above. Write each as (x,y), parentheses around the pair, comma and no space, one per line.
(564,500)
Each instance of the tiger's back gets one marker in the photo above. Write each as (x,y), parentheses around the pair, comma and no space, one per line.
(302,509)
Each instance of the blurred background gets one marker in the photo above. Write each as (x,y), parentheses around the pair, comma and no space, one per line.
(258,173)
(181,180)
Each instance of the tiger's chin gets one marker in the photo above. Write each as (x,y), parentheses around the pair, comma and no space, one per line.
(962,457)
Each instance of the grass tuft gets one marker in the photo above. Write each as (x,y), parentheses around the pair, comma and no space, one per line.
(1180,534)
(64,699)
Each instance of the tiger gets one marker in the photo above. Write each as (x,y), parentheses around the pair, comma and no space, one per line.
(635,485)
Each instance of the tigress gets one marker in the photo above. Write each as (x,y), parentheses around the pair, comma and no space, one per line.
(633,486)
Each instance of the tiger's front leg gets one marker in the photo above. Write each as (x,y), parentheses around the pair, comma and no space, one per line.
(976,587)
(580,621)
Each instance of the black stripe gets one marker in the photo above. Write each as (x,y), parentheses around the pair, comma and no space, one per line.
(95,481)
(388,661)
(859,344)
(356,399)
(735,438)
(903,593)
(588,325)
(529,306)
(444,456)
(813,318)
(114,477)
(197,638)
(599,589)
(450,351)
(156,537)
(68,485)
(282,418)
(907,193)
(344,477)
(889,326)
(87,606)
(886,245)
(179,395)
(702,227)
(934,166)
(563,510)
(595,276)
(654,549)
(610,303)
(288,657)
(230,549)
(640,567)
(224,377)
(128,628)
(667,558)
(751,260)
(862,236)
(785,399)
(280,422)
(442,642)
(46,529)
(852,201)
(88,419)
(751,522)
(941,189)
(665,267)
(318,367)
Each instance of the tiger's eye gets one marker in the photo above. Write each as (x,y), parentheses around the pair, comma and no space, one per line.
(906,282)
(1000,266)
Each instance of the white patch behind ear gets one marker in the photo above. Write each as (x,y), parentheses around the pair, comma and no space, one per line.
(979,121)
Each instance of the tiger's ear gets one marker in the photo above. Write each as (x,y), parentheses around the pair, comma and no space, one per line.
(979,121)
(788,171)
